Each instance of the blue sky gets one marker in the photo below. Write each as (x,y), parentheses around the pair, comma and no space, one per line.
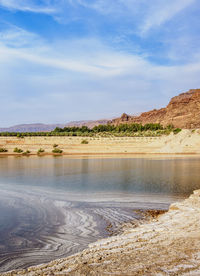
(64,60)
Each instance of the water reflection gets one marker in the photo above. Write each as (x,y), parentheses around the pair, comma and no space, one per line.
(138,175)
(54,207)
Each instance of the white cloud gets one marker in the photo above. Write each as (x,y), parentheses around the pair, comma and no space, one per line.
(143,15)
(160,12)
(51,82)
(27,6)
(16,37)
(82,56)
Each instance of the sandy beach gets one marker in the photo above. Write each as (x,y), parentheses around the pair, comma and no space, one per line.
(185,142)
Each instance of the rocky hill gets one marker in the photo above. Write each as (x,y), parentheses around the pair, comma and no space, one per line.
(31,127)
(183,111)
(49,127)
(89,123)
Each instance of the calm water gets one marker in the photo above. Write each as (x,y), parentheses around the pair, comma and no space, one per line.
(52,207)
(171,176)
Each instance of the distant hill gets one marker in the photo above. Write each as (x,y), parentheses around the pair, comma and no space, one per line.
(31,128)
(89,123)
(183,111)
(37,127)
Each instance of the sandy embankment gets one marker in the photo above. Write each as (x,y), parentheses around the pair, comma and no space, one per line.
(168,245)
(187,141)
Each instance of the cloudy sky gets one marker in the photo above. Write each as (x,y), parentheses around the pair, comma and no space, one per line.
(63,60)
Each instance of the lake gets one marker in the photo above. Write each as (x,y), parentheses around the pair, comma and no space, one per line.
(52,207)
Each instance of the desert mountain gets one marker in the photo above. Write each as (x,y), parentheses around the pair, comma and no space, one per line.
(49,127)
(183,111)
(30,128)
(89,123)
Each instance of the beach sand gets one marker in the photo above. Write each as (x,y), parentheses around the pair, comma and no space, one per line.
(185,142)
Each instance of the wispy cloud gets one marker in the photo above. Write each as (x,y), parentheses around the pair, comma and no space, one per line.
(27,6)
(43,79)
(16,37)
(105,63)
(87,56)
(159,12)
(143,15)
(104,58)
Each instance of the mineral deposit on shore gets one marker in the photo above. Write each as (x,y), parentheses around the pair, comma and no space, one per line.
(168,245)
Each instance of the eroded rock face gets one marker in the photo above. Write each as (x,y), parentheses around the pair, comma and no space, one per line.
(183,111)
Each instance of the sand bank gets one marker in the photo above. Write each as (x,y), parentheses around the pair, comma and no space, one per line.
(168,245)
(185,142)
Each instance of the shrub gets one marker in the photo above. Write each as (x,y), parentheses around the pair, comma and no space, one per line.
(84,141)
(55,145)
(17,150)
(40,151)
(26,152)
(19,135)
(170,126)
(176,130)
(57,150)
(3,150)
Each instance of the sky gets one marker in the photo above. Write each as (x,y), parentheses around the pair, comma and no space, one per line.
(66,60)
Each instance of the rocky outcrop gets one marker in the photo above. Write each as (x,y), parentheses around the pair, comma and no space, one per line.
(183,111)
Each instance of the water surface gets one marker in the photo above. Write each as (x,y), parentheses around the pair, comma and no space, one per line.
(52,207)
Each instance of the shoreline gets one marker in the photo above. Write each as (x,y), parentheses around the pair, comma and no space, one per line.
(167,245)
(70,220)
(185,142)
(111,154)
(113,224)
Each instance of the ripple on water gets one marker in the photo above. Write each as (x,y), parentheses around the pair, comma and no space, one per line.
(38,226)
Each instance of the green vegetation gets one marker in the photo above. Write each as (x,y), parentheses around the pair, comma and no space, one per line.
(17,150)
(122,130)
(170,127)
(176,130)
(84,141)
(40,151)
(3,150)
(55,145)
(57,150)
(26,152)
(20,135)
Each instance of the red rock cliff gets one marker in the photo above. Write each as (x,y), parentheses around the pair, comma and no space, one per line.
(183,111)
